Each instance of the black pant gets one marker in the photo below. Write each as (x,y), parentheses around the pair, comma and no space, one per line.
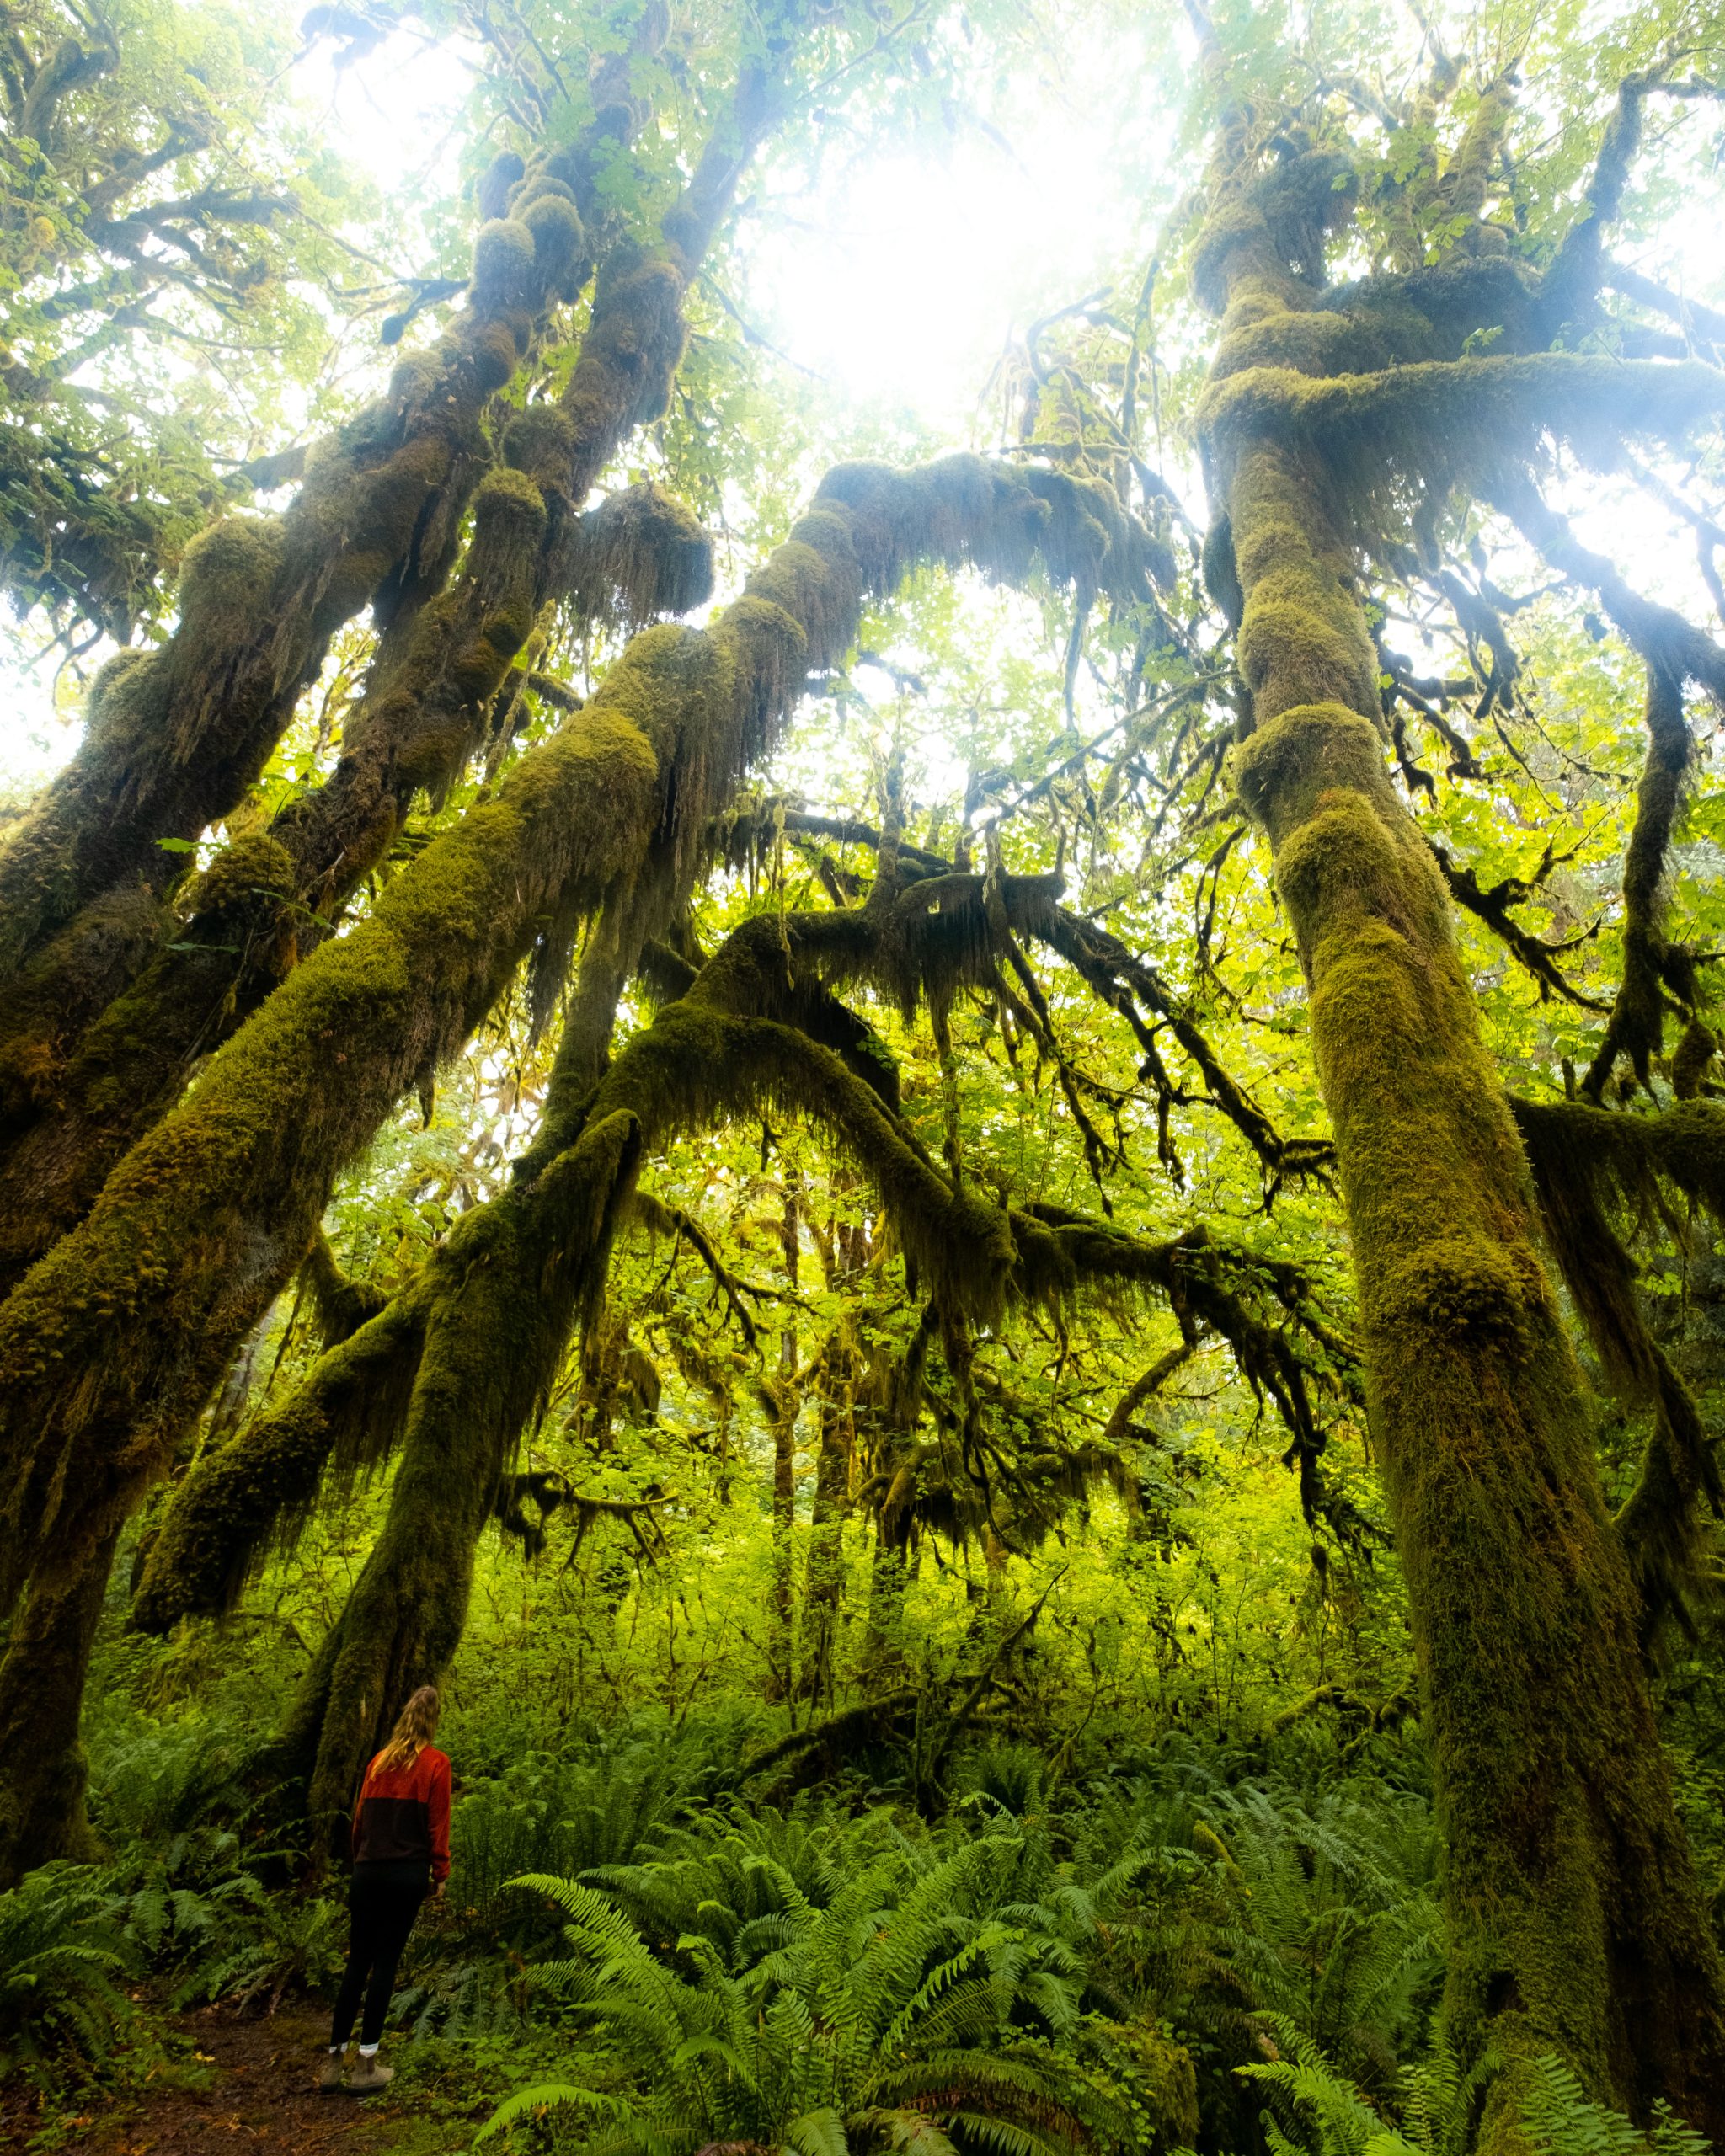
(384,1901)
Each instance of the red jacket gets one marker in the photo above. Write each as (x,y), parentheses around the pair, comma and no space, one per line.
(403,1813)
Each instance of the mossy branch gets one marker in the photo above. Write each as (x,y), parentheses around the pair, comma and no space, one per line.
(143,1300)
(1652,964)
(1439,424)
(1492,907)
(343,1305)
(175,737)
(660,1219)
(1587,1163)
(256,1492)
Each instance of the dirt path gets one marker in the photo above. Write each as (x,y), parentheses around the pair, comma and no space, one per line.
(262,2101)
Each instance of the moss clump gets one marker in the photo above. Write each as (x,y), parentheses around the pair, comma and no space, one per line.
(503,265)
(251,867)
(560,260)
(628,359)
(639,555)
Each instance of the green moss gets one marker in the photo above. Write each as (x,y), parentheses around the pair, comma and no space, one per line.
(1693,1060)
(628,359)
(252,866)
(502,265)
(381,505)
(638,555)
(1571,1899)
(540,443)
(560,258)
(1303,637)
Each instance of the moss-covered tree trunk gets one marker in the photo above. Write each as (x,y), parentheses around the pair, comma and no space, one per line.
(1575,1925)
(41,1704)
(482,1367)
(787,1408)
(824,1580)
(883,1646)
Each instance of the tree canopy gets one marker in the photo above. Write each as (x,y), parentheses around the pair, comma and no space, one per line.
(1024,1116)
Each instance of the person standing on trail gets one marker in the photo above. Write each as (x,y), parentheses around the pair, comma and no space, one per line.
(400,1848)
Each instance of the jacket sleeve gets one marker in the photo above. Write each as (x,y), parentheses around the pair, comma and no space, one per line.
(437,1812)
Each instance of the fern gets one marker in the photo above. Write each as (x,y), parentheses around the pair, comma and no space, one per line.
(835,1988)
(62,1958)
(1560,2119)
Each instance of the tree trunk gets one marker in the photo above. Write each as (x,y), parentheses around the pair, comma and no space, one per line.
(505,1289)
(883,1647)
(781,1648)
(825,1581)
(1575,1922)
(41,1702)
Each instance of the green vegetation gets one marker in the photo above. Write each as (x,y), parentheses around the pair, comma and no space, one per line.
(979,1177)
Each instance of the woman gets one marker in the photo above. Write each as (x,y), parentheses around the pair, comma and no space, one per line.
(400,1845)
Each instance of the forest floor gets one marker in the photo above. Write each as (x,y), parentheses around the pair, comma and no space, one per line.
(247,2087)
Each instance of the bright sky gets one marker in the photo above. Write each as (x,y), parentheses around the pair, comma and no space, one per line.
(898,280)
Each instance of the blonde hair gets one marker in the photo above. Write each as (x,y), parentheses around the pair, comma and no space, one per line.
(414,1727)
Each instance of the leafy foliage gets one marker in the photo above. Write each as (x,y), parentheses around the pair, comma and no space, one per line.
(937,1692)
(63,1956)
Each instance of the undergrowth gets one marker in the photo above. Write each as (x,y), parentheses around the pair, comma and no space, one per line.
(1182,1945)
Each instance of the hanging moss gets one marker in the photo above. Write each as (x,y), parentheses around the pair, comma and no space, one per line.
(639,555)
(255,1493)
(1426,428)
(419,722)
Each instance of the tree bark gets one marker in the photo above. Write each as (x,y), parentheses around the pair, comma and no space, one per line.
(781,1648)
(824,1580)
(1575,1922)
(42,1813)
